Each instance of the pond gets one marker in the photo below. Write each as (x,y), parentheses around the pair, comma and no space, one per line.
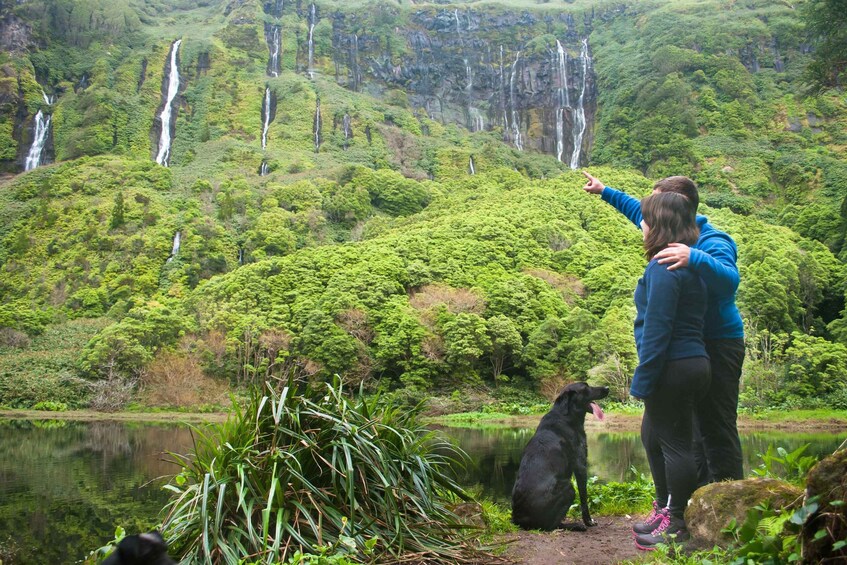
(64,486)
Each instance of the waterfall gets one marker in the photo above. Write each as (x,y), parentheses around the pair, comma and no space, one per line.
(471,167)
(317,124)
(173,87)
(477,119)
(516,127)
(346,126)
(579,115)
(263,169)
(312,19)
(266,117)
(563,100)
(41,131)
(175,248)
(274,45)
(240,256)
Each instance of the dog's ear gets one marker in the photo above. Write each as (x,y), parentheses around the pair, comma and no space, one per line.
(564,398)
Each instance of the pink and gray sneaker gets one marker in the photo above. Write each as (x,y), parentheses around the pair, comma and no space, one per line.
(653,520)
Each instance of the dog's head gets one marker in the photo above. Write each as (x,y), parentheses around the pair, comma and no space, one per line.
(579,399)
(141,549)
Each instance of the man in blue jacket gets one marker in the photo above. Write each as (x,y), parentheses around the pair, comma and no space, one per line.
(714,258)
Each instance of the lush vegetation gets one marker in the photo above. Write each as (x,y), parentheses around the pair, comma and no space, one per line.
(378,257)
(317,472)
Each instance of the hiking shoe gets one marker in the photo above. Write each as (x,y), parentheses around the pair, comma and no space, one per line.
(652,521)
(670,530)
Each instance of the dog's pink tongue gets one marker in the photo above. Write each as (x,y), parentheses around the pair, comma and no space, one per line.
(598,412)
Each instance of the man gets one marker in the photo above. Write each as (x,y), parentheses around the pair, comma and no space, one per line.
(713,257)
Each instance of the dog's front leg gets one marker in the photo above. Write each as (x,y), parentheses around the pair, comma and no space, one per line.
(581,475)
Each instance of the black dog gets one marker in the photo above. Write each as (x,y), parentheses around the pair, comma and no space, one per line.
(141,549)
(543,492)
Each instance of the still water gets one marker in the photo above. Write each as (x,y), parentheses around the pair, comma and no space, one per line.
(64,486)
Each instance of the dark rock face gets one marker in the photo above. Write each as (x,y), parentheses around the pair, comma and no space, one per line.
(476,69)
(828,481)
(15,34)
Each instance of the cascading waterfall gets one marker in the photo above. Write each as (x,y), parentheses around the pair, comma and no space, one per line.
(175,248)
(41,131)
(266,116)
(317,125)
(312,20)
(274,45)
(471,168)
(563,100)
(580,124)
(167,111)
(516,127)
(263,169)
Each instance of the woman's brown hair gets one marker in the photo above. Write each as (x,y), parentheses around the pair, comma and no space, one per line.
(671,219)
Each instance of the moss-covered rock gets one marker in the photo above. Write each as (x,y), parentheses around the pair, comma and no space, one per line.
(828,481)
(713,506)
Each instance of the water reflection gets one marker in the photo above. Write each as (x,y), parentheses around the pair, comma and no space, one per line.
(64,486)
(495,454)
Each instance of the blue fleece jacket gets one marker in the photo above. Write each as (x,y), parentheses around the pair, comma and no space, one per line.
(668,323)
(713,257)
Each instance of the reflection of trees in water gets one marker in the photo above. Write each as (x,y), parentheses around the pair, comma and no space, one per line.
(65,487)
(495,454)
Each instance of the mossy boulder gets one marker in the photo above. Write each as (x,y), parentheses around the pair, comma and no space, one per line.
(828,481)
(714,506)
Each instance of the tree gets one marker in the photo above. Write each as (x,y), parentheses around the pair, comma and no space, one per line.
(117,219)
(826,21)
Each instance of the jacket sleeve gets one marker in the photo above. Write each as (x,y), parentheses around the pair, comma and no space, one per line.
(663,290)
(715,262)
(623,203)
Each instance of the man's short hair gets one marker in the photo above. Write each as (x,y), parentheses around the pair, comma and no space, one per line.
(680,185)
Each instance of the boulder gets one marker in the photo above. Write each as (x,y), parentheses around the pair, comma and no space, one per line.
(714,506)
(828,481)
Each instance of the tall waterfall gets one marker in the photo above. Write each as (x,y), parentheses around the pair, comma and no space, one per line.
(175,248)
(317,125)
(516,127)
(266,116)
(312,20)
(41,131)
(563,101)
(167,111)
(471,168)
(263,169)
(274,46)
(579,115)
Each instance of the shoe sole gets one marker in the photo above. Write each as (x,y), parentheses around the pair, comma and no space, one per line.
(644,547)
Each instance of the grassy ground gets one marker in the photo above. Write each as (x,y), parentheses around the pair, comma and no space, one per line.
(830,420)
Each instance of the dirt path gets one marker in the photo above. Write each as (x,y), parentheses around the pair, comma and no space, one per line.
(608,542)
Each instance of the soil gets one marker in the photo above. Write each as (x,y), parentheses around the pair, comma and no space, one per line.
(610,541)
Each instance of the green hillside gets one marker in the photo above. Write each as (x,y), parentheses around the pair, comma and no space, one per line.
(412,221)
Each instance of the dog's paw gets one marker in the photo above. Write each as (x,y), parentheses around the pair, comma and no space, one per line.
(591,522)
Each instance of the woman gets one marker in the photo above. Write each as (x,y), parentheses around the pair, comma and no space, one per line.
(673,367)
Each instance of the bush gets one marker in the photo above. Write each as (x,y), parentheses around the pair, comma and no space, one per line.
(297,472)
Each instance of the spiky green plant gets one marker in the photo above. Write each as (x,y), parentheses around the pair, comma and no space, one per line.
(304,472)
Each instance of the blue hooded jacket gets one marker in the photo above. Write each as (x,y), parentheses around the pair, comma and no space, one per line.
(713,257)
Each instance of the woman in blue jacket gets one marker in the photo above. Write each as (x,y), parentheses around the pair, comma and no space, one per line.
(673,368)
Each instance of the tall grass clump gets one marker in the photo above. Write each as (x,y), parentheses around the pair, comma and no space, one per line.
(295,473)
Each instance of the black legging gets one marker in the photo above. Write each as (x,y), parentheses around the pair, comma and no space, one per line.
(666,430)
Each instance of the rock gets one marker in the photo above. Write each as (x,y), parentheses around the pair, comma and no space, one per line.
(828,481)
(713,506)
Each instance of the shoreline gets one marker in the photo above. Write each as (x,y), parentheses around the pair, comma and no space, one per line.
(795,421)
